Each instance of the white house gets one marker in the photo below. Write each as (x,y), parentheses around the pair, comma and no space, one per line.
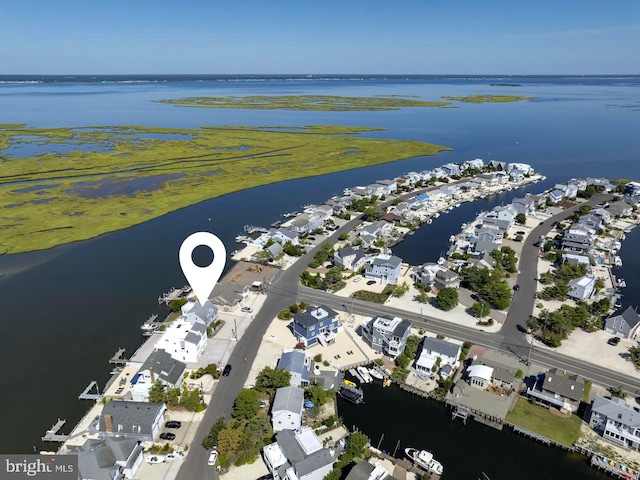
(158,366)
(298,455)
(286,412)
(426,273)
(479,376)
(388,186)
(523,167)
(183,340)
(451,169)
(581,288)
(478,163)
(284,235)
(434,348)
(351,258)
(385,268)
(386,335)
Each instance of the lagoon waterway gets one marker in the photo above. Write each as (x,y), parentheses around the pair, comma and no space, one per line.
(65,311)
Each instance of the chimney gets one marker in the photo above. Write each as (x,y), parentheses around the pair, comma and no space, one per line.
(153,376)
(108,421)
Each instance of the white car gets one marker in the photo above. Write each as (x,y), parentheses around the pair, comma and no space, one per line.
(213,457)
(356,279)
(247,309)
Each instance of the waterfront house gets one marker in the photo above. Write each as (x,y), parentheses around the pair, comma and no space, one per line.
(591,220)
(517,176)
(386,268)
(386,335)
(496,165)
(620,209)
(559,390)
(364,470)
(392,218)
(306,223)
(296,362)
(324,212)
(625,324)
(286,412)
(159,366)
(525,205)
(447,279)
(616,421)
(298,455)
(426,273)
(389,186)
(479,376)
(413,177)
(432,349)
(575,259)
(229,294)
(477,163)
(110,458)
(274,250)
(632,188)
(195,313)
(580,183)
(284,235)
(494,374)
(316,325)
(378,229)
(351,258)
(577,240)
(483,260)
(438,173)
(556,195)
(486,239)
(451,169)
(183,340)
(581,288)
(136,420)
(327,377)
(501,177)
(523,167)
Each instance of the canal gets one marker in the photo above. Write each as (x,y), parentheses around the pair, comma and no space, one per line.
(390,415)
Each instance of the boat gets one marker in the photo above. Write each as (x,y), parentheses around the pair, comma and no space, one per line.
(349,383)
(436,215)
(617,261)
(386,382)
(354,373)
(148,327)
(424,460)
(241,238)
(452,238)
(364,373)
(375,373)
(351,394)
(430,220)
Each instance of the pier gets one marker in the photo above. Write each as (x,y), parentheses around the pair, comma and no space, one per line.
(118,358)
(52,435)
(460,412)
(87,393)
(253,229)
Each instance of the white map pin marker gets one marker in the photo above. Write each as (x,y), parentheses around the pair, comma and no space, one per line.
(202,279)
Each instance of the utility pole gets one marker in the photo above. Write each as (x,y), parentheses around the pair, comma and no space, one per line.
(530,349)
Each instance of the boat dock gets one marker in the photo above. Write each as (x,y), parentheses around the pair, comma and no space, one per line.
(87,395)
(52,435)
(173,294)
(354,373)
(118,358)
(250,229)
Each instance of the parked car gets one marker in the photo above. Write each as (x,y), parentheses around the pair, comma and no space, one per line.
(356,279)
(227,370)
(173,424)
(167,436)
(213,457)
(371,282)
(614,341)
(516,287)
(247,309)
(521,232)
(155,459)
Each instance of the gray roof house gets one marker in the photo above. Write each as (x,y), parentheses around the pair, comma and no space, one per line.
(434,348)
(137,420)
(487,239)
(524,205)
(386,335)
(624,324)
(297,363)
(110,458)
(559,390)
(620,209)
(274,250)
(229,294)
(351,258)
(286,411)
(298,454)
(367,471)
(385,268)
(581,288)
(616,421)
(158,366)
(447,278)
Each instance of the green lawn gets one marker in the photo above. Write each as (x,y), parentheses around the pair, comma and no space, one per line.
(565,430)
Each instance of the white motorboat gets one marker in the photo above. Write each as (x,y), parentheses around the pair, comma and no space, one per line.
(364,373)
(375,373)
(425,460)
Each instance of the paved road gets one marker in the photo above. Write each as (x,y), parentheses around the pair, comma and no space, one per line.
(523,300)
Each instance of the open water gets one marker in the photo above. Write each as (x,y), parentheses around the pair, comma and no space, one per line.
(65,311)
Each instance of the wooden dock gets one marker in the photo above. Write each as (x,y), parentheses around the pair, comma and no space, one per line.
(52,435)
(87,395)
(118,358)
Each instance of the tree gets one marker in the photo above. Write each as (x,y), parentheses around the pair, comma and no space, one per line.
(343,236)
(229,439)
(269,379)
(403,361)
(318,395)
(481,309)
(411,346)
(371,214)
(212,439)
(176,304)
(293,250)
(634,354)
(156,392)
(356,444)
(246,405)
(521,219)
(447,298)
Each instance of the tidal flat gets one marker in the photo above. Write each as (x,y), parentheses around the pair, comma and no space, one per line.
(131,174)
(489,98)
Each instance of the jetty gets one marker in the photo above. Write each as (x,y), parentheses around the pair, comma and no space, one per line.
(118,358)
(52,434)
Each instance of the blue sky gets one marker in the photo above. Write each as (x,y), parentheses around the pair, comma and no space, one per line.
(353,36)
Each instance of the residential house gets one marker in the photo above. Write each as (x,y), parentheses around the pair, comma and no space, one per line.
(274,250)
(351,258)
(364,470)
(483,373)
(413,177)
(486,239)
(447,279)
(592,221)
(496,165)
(316,325)
(433,349)
(523,167)
(298,455)
(603,213)
(426,273)
(419,201)
(451,169)
(524,205)
(229,294)
(517,176)
(392,218)
(575,259)
(378,229)
(298,364)
(136,420)
(195,313)
(324,212)
(625,324)
(483,260)
(502,177)
(479,376)
(580,183)
(540,201)
(620,209)
(306,223)
(386,335)
(478,164)
(183,340)
(286,412)
(159,366)
(581,288)
(616,421)
(632,188)
(438,173)
(556,195)
(559,390)
(110,458)
(284,235)
(389,186)
(577,240)
(386,268)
